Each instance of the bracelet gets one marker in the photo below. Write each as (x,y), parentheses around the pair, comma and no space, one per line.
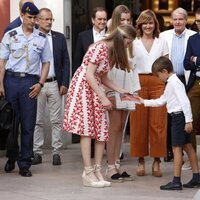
(41,84)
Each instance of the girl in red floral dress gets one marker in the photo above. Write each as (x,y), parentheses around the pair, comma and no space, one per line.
(87,104)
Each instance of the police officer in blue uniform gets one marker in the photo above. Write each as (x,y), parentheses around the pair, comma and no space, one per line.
(22,51)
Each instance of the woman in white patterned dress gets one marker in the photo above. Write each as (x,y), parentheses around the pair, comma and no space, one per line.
(87,104)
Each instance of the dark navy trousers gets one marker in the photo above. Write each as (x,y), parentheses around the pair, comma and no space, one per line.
(17,93)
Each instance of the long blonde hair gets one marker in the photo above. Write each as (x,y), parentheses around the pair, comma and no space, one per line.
(116,16)
(116,21)
(117,51)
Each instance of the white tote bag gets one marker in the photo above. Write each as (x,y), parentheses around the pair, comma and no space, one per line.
(126,80)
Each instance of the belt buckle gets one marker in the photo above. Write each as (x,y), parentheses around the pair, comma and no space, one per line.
(21,74)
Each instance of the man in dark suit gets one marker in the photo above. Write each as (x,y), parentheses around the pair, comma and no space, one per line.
(192,62)
(18,21)
(55,86)
(86,38)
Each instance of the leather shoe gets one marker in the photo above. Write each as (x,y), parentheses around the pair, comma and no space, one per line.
(25,172)
(10,165)
(37,159)
(192,184)
(56,159)
(171,186)
(141,167)
(156,168)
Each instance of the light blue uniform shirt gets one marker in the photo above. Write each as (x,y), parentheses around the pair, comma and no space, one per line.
(24,54)
(178,53)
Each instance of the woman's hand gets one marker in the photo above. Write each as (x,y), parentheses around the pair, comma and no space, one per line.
(106,103)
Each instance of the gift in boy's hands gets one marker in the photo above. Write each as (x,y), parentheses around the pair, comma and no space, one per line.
(130,97)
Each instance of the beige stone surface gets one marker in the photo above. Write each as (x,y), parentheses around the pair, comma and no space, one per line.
(64,182)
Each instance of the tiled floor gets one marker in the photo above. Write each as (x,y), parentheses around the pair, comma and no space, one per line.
(64,182)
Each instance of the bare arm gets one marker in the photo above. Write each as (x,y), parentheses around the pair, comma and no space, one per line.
(35,89)
(108,83)
(2,73)
(91,69)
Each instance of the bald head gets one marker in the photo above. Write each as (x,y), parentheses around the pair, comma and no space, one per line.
(21,3)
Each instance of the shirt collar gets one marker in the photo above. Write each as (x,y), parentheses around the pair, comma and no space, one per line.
(49,33)
(181,35)
(99,33)
(171,77)
(20,31)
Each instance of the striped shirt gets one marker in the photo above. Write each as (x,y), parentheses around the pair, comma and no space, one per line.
(177,53)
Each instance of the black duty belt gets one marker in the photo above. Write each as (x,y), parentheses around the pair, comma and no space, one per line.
(19,74)
(51,79)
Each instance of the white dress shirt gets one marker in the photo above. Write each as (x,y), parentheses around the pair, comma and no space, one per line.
(175,97)
(98,35)
(51,68)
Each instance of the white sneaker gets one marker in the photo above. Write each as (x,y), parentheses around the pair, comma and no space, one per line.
(186,165)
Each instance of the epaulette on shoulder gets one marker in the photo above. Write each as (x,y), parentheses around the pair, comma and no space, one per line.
(42,34)
(13,33)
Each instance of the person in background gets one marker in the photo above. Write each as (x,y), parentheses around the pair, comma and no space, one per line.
(22,50)
(54,88)
(87,104)
(118,118)
(178,106)
(177,41)
(88,37)
(148,125)
(192,63)
(18,21)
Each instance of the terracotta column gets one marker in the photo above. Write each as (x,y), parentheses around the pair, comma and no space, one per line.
(4,15)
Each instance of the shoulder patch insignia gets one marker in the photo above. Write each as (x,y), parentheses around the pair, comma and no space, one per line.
(42,34)
(13,33)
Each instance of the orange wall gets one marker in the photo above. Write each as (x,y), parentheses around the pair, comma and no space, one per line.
(4,15)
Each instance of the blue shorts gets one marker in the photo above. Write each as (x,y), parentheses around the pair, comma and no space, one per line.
(179,136)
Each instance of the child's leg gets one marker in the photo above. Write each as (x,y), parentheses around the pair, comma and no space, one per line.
(188,148)
(178,160)
(195,181)
(176,182)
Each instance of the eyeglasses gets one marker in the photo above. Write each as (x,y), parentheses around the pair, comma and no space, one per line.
(197,21)
(48,19)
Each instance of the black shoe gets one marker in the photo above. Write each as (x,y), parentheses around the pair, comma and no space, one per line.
(171,186)
(116,178)
(126,176)
(10,165)
(121,156)
(192,184)
(37,159)
(25,172)
(56,159)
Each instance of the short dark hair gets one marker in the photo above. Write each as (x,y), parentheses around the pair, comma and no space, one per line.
(96,9)
(197,11)
(162,63)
